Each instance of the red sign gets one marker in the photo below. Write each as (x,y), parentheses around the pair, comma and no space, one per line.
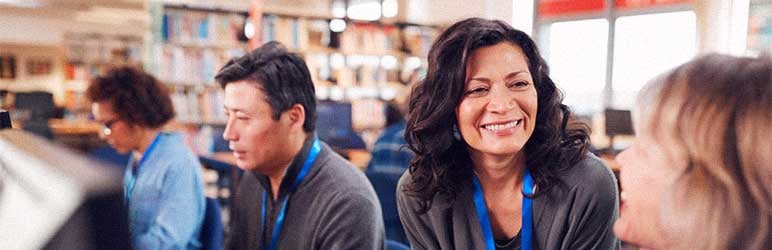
(557,8)
(640,4)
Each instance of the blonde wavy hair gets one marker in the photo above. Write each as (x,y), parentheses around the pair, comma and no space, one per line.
(718,111)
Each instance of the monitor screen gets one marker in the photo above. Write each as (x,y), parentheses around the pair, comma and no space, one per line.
(5,119)
(618,122)
(333,125)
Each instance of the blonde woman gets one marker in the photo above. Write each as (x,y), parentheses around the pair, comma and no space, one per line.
(699,175)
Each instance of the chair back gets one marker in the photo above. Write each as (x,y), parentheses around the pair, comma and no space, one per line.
(394,245)
(211,236)
(385,185)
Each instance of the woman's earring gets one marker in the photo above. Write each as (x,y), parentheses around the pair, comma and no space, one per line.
(456,134)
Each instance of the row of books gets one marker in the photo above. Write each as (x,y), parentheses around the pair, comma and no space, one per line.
(358,38)
(199,106)
(198,27)
(88,48)
(205,106)
(295,33)
(370,38)
(193,66)
(363,70)
(87,55)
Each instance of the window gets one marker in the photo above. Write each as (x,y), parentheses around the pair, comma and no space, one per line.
(574,62)
(595,72)
(648,45)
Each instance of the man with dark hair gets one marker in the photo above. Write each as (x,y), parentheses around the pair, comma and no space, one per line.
(296,193)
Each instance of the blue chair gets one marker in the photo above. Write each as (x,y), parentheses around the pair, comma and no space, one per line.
(393,245)
(211,236)
(108,154)
(385,185)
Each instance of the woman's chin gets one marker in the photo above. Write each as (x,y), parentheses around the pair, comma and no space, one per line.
(627,231)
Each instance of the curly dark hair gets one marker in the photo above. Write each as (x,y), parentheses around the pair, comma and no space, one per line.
(441,164)
(283,76)
(137,97)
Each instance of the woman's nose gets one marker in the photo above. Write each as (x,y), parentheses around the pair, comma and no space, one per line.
(501,101)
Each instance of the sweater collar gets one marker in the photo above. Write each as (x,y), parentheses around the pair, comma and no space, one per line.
(293,169)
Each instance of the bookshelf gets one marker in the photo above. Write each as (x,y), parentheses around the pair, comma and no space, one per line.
(365,64)
(90,54)
(189,45)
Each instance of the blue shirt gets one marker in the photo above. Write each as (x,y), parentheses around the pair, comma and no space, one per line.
(390,153)
(166,205)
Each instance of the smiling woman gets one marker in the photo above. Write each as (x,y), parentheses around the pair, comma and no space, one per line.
(499,162)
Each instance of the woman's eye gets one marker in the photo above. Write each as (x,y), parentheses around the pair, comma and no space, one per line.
(519,84)
(476,91)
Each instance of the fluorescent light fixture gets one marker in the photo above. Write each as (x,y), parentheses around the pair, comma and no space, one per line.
(388,62)
(23,3)
(337,25)
(355,60)
(249,29)
(388,93)
(337,61)
(389,8)
(412,63)
(366,10)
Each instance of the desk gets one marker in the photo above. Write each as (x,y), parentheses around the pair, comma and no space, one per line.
(78,134)
(78,127)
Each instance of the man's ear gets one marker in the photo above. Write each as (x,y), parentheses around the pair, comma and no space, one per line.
(295,116)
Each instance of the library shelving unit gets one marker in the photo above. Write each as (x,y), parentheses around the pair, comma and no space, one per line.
(366,64)
(188,46)
(89,54)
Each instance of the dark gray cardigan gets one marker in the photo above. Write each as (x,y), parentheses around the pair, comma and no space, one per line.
(579,215)
(335,207)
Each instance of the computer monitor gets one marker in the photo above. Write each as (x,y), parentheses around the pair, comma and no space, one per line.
(54,198)
(333,125)
(5,119)
(618,122)
(39,104)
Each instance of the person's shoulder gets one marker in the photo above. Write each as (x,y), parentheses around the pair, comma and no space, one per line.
(591,174)
(404,180)
(177,153)
(175,143)
(339,172)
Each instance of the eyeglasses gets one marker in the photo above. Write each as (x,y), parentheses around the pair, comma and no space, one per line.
(107,126)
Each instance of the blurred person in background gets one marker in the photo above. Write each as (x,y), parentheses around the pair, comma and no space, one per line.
(296,192)
(498,164)
(699,174)
(162,181)
(390,153)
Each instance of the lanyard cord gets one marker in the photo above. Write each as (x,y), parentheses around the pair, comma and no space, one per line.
(298,179)
(526,233)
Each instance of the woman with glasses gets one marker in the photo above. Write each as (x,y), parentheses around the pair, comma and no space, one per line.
(163,189)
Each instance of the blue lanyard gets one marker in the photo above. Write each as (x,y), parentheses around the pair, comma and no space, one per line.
(315,148)
(135,171)
(526,232)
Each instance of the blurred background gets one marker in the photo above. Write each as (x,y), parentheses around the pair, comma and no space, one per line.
(363,56)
